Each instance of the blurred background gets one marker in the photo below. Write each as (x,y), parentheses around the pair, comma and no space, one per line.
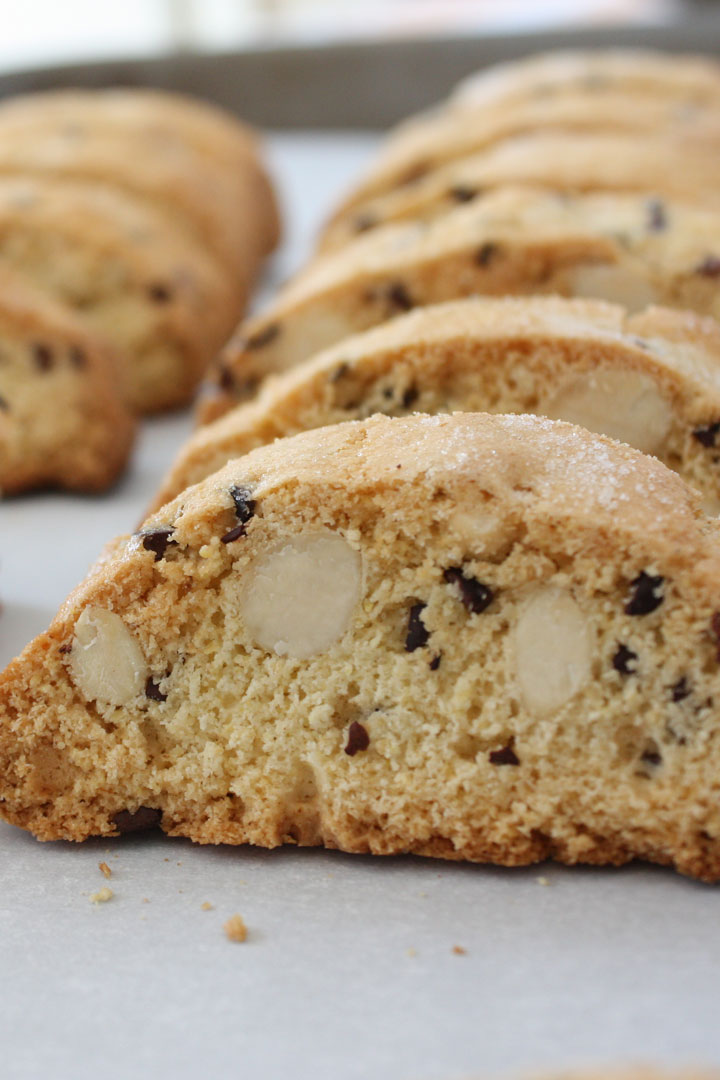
(45,32)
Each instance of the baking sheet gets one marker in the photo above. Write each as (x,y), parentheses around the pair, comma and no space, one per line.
(354,967)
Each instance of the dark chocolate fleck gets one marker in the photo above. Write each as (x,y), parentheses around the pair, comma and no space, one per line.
(680,690)
(66,648)
(709,267)
(234,534)
(399,297)
(159,293)
(651,757)
(4,407)
(475,596)
(262,337)
(463,193)
(435,662)
(625,660)
(146,817)
(417,633)
(153,691)
(42,354)
(340,371)
(157,540)
(505,756)
(707,434)
(715,628)
(646,595)
(358,739)
(78,358)
(225,379)
(363,222)
(485,254)
(657,217)
(410,396)
(244,505)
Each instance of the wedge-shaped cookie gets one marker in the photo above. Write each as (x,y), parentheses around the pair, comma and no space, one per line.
(225,202)
(569,162)
(63,422)
(477,637)
(683,77)
(429,141)
(154,293)
(624,248)
(651,380)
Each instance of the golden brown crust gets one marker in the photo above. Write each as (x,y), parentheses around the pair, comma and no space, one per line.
(62,419)
(378,747)
(514,241)
(487,355)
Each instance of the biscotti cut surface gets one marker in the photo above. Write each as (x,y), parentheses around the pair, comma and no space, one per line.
(490,638)
(630,249)
(570,162)
(651,380)
(62,419)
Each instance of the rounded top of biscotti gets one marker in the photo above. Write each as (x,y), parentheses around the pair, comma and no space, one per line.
(530,466)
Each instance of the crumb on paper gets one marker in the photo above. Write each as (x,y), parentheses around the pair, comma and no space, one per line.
(102,896)
(145,900)
(179,864)
(459,951)
(105,869)
(411,952)
(235,928)
(543,881)
(206,906)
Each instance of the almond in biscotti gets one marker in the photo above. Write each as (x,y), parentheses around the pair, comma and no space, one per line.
(492,638)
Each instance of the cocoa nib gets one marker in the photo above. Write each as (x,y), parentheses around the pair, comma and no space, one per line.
(715,630)
(78,358)
(410,396)
(358,739)
(153,691)
(485,254)
(4,407)
(234,534)
(244,505)
(435,662)
(146,817)
(225,379)
(417,632)
(157,540)
(263,337)
(340,372)
(159,293)
(657,217)
(651,757)
(625,660)
(709,267)
(707,434)
(399,297)
(647,594)
(505,756)
(43,357)
(475,596)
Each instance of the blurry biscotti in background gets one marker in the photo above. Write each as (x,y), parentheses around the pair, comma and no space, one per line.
(148,213)
(651,380)
(63,422)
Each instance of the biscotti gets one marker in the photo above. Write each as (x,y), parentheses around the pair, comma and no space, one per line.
(226,203)
(151,291)
(628,249)
(684,77)
(651,380)
(426,142)
(570,163)
(62,419)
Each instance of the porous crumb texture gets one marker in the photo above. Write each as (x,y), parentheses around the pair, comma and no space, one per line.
(651,380)
(62,419)
(480,637)
(571,162)
(633,250)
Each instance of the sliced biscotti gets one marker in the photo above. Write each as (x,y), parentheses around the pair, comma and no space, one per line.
(569,162)
(154,293)
(651,380)
(63,422)
(225,203)
(624,248)
(685,77)
(478,637)
(426,142)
